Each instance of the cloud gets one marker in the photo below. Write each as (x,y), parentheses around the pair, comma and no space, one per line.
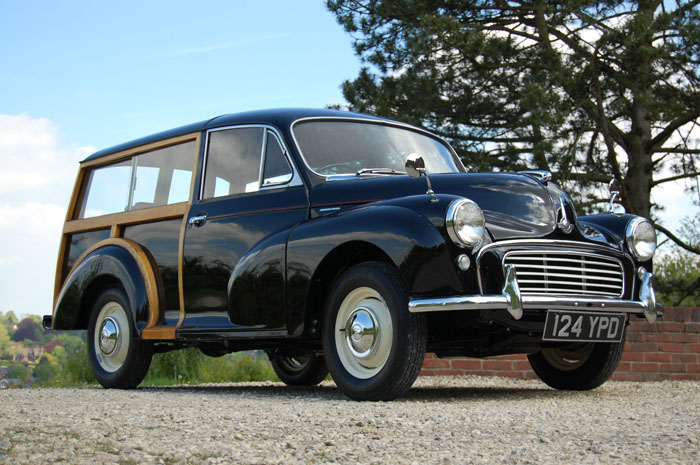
(36,181)
(676,202)
(227,46)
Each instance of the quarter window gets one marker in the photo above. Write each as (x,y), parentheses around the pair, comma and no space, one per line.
(277,169)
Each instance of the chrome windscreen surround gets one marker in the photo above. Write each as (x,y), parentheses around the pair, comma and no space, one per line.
(566,272)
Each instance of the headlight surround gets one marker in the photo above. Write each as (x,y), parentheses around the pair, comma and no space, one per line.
(465,223)
(641,239)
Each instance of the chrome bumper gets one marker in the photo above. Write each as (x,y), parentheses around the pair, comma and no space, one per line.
(511,300)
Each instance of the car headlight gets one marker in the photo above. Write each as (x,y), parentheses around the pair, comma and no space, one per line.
(465,222)
(641,238)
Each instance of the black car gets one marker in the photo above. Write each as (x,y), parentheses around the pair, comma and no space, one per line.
(340,242)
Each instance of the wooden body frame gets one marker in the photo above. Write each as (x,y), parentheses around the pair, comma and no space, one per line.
(116,223)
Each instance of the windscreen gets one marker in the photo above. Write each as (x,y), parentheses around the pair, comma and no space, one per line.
(332,147)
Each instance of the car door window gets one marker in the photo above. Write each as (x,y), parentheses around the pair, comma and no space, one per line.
(233,162)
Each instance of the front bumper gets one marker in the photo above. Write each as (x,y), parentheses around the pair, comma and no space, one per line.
(511,300)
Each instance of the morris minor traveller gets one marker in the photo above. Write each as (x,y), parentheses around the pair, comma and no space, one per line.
(343,243)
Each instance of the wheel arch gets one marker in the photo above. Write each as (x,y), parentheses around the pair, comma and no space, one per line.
(112,262)
(333,265)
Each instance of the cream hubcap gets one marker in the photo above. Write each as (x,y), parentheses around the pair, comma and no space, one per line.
(568,359)
(111,337)
(364,332)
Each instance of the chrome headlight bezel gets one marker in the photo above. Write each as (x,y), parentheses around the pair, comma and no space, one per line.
(465,223)
(638,235)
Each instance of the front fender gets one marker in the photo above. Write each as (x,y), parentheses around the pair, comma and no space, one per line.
(407,238)
(256,285)
(110,262)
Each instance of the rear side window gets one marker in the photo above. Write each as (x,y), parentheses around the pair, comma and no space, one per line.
(107,190)
(163,176)
(151,179)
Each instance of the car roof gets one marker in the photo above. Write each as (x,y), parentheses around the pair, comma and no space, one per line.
(281,118)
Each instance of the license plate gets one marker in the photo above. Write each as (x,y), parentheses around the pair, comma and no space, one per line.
(563,325)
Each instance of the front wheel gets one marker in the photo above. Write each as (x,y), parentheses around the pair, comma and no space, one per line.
(303,369)
(374,347)
(118,357)
(578,367)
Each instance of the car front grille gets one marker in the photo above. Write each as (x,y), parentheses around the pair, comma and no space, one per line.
(566,272)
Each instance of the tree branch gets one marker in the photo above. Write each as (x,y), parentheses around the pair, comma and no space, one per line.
(678,150)
(674,178)
(671,128)
(678,241)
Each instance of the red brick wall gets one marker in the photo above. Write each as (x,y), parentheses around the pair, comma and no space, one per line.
(667,349)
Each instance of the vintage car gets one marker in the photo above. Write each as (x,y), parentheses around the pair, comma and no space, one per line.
(340,242)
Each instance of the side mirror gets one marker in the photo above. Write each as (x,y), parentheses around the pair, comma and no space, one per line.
(615,188)
(415,165)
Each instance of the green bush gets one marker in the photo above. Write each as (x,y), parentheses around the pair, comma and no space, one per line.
(190,366)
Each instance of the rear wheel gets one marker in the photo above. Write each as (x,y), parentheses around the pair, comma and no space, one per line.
(578,367)
(374,347)
(301,369)
(118,357)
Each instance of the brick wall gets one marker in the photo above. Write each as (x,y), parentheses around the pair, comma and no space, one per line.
(667,349)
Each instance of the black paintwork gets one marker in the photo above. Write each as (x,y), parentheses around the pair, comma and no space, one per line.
(107,266)
(258,271)
(162,239)
(234,263)
(79,244)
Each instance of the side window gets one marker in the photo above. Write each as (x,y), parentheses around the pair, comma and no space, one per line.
(233,162)
(107,190)
(277,169)
(163,176)
(155,178)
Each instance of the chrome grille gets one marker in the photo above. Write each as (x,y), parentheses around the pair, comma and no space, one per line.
(569,272)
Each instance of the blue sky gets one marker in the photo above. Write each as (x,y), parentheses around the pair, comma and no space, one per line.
(78,76)
(105,72)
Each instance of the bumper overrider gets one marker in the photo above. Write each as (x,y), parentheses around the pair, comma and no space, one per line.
(514,302)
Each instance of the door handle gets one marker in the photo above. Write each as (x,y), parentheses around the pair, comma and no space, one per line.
(197,220)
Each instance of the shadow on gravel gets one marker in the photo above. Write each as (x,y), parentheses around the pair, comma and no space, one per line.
(330,392)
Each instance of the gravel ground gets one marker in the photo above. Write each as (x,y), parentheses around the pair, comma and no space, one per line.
(451,420)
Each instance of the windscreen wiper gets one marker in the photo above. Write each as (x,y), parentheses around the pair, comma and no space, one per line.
(378,171)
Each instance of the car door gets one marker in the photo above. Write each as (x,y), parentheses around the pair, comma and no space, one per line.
(234,247)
